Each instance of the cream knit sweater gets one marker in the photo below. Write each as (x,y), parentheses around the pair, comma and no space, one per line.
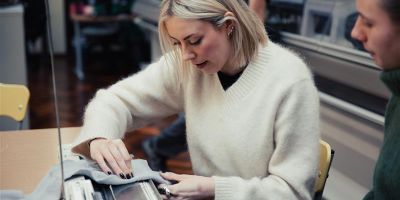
(258,139)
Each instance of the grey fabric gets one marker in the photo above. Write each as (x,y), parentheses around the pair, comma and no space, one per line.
(11,194)
(141,172)
(50,186)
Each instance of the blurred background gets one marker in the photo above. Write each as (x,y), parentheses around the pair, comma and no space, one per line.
(98,42)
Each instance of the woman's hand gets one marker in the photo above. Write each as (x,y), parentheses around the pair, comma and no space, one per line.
(112,154)
(189,186)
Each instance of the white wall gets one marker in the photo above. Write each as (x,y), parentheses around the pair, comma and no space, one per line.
(12,55)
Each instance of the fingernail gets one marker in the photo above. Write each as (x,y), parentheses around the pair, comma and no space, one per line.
(128,176)
(109,173)
(122,175)
(132,174)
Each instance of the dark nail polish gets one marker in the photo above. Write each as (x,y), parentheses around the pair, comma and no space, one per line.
(122,175)
(109,173)
(128,176)
(132,174)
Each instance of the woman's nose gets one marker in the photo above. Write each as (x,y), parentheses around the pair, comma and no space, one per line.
(187,54)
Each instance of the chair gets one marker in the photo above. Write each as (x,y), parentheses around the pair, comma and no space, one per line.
(13,101)
(325,162)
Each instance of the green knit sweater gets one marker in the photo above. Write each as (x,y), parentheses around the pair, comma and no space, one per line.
(386,183)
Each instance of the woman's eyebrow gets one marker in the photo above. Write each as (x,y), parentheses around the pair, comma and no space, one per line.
(186,37)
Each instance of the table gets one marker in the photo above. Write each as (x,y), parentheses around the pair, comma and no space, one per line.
(78,39)
(26,156)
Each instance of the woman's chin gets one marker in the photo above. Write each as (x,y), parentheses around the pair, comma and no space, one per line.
(207,70)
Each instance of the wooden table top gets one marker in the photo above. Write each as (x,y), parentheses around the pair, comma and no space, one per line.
(27,155)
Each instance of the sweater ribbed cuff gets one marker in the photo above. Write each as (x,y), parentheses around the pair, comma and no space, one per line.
(223,188)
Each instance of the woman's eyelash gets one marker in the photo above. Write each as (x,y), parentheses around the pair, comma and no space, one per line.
(196,42)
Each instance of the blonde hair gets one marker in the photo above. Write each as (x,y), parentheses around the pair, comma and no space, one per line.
(249,32)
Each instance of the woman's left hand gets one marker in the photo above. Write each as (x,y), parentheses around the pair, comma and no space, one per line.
(189,186)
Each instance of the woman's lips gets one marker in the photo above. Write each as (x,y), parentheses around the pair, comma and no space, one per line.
(201,65)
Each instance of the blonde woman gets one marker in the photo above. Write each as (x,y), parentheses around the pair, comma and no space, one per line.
(251,107)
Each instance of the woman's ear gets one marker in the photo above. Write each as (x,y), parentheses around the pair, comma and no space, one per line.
(229,24)
(229,14)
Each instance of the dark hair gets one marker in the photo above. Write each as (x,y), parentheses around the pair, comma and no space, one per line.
(392,7)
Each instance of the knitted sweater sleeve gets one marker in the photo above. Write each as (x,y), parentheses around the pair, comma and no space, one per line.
(130,103)
(293,166)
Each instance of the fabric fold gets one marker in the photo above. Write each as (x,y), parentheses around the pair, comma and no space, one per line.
(49,187)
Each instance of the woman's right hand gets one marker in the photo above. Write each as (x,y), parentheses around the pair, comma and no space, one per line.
(112,154)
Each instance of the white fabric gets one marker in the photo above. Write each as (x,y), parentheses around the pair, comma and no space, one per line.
(258,139)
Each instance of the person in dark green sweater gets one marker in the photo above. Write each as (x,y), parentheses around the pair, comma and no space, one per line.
(378,28)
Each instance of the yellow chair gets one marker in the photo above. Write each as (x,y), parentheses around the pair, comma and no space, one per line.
(325,162)
(13,101)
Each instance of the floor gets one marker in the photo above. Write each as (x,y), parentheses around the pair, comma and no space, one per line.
(74,94)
